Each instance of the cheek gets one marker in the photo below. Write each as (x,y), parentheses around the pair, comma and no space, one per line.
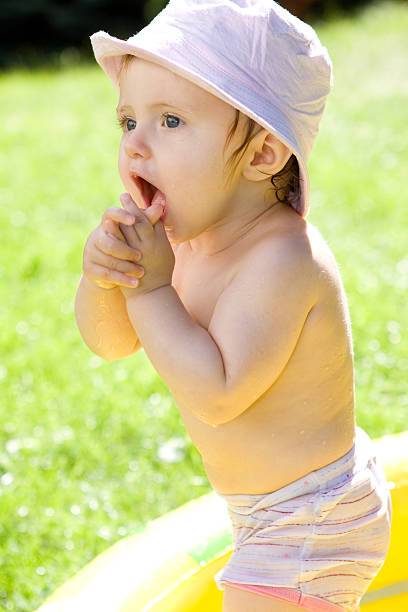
(123,166)
(203,164)
(121,156)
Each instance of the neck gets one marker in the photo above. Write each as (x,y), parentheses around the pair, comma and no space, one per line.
(245,214)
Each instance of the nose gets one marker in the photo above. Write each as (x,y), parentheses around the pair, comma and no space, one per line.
(135,144)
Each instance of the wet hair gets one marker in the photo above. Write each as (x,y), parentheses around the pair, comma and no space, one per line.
(286,182)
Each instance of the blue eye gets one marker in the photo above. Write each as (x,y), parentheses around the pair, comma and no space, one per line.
(172,121)
(130,124)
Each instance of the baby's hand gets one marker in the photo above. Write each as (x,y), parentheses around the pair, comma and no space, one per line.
(149,236)
(153,214)
(108,260)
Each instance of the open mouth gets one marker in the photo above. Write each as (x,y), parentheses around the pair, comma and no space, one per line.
(146,189)
(150,194)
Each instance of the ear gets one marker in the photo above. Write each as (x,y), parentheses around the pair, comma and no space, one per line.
(265,156)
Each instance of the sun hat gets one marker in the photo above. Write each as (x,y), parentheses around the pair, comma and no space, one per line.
(253,54)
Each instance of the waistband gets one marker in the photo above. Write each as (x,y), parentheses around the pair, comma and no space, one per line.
(327,477)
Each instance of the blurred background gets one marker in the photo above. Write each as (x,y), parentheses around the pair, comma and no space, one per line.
(39,30)
(91,450)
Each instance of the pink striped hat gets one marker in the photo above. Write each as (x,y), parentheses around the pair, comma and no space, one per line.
(253,54)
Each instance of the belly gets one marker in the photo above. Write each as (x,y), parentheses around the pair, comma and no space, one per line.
(297,426)
(279,466)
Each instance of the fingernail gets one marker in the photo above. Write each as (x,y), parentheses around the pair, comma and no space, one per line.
(134,282)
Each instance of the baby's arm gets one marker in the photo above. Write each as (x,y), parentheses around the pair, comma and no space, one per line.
(103,321)
(100,306)
(259,318)
(110,261)
(220,372)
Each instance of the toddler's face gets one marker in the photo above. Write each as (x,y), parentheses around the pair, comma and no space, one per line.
(174,136)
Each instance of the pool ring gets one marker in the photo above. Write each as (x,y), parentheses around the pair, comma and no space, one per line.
(169,566)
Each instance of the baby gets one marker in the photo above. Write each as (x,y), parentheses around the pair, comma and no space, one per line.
(211,267)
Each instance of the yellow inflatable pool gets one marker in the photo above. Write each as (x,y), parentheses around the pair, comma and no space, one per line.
(169,567)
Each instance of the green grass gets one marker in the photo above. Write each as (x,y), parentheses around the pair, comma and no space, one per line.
(91,450)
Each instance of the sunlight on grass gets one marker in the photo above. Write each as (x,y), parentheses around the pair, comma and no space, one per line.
(91,450)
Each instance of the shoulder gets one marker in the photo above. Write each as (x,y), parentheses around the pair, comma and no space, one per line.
(287,257)
(297,252)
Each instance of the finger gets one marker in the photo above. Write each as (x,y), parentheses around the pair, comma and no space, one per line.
(126,267)
(110,245)
(130,233)
(106,275)
(131,236)
(110,227)
(119,215)
(128,203)
(143,227)
(154,212)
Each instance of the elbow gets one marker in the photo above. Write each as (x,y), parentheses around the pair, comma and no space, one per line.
(219,413)
(96,351)
(221,418)
(216,419)
(209,419)
(227,409)
(116,354)
(106,355)
(215,408)
(110,358)
(207,412)
(111,353)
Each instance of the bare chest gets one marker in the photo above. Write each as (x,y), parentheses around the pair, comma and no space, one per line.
(312,385)
(199,282)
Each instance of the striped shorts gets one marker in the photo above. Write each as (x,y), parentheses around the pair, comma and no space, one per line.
(317,542)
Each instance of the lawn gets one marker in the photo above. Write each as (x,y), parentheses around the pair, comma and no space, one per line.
(90,450)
